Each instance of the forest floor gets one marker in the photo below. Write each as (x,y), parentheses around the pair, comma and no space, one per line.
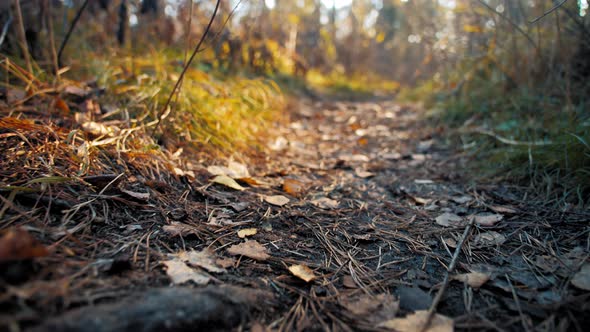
(349,224)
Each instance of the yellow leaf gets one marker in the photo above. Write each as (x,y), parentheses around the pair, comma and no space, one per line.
(302,272)
(227,181)
(278,200)
(242,233)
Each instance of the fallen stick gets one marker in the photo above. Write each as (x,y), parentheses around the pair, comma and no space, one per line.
(445,284)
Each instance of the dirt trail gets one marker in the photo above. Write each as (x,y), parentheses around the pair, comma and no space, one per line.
(377,206)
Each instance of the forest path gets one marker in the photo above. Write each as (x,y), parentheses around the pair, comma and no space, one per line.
(394,201)
(351,225)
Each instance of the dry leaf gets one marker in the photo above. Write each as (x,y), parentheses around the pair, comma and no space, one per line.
(582,278)
(415,322)
(372,308)
(180,229)
(278,200)
(237,170)
(503,209)
(363,174)
(242,233)
(227,181)
(251,249)
(451,242)
(18,244)
(226,262)
(61,105)
(449,219)
(180,273)
(420,200)
(233,170)
(348,282)
(75,91)
(203,259)
(462,199)
(302,272)
(325,203)
(98,129)
(488,239)
(473,279)
(293,187)
(488,219)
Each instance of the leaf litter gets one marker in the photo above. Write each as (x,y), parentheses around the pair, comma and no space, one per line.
(355,235)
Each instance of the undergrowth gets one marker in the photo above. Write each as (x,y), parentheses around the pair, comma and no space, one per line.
(516,134)
(212,113)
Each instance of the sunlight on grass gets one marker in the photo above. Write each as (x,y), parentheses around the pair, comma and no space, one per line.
(357,86)
(524,135)
(211,112)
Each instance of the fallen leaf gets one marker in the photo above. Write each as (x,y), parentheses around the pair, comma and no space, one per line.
(473,279)
(416,321)
(233,170)
(61,105)
(488,239)
(251,249)
(325,203)
(278,200)
(462,199)
(203,259)
(18,244)
(372,308)
(420,200)
(98,129)
(293,187)
(363,174)
(451,242)
(180,229)
(237,170)
(226,262)
(239,207)
(180,273)
(242,233)
(449,219)
(503,209)
(488,219)
(227,181)
(75,91)
(348,282)
(217,170)
(302,272)
(582,278)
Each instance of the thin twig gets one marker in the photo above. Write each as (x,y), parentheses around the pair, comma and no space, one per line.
(70,30)
(450,269)
(22,36)
(507,19)
(184,70)
(5,28)
(54,60)
(508,140)
(551,10)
